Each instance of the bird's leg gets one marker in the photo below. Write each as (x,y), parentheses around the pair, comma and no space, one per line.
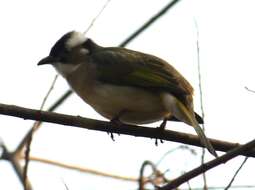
(163,124)
(116,121)
(161,128)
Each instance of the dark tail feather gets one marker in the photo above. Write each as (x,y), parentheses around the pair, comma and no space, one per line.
(198,118)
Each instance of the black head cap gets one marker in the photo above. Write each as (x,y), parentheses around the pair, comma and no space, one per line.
(72,45)
(60,46)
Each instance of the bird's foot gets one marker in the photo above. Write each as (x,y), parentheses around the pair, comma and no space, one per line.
(112,136)
(161,128)
(163,125)
(115,122)
(156,141)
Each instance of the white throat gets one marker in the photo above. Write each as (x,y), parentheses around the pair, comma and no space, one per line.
(65,69)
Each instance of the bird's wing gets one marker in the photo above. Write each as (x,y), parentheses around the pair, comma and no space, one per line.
(126,67)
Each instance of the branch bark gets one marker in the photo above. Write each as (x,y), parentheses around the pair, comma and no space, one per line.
(92,124)
(209,165)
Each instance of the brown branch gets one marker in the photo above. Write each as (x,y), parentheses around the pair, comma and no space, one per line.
(234,176)
(220,187)
(92,171)
(141,176)
(155,178)
(133,130)
(36,126)
(82,169)
(52,108)
(209,165)
(149,22)
(12,158)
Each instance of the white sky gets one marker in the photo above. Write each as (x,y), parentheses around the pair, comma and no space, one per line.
(30,28)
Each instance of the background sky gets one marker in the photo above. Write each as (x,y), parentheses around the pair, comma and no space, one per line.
(226,38)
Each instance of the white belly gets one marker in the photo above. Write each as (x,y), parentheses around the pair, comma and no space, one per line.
(136,105)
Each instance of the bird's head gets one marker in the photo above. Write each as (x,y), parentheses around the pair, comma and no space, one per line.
(69,52)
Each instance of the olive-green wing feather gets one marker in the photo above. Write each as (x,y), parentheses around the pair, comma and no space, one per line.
(126,67)
(121,66)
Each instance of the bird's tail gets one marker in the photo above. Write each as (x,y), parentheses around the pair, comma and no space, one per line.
(183,114)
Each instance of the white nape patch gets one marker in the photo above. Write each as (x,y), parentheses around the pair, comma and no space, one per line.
(76,39)
(65,69)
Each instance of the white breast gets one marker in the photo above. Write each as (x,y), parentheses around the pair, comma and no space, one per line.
(137,105)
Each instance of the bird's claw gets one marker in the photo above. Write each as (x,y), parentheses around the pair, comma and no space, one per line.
(156,141)
(115,122)
(163,125)
(112,136)
(161,128)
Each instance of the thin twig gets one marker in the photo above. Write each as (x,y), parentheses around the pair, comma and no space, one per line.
(23,142)
(141,176)
(98,125)
(149,22)
(82,169)
(89,170)
(156,177)
(96,17)
(49,91)
(204,175)
(189,186)
(209,165)
(60,100)
(201,99)
(217,188)
(6,155)
(65,185)
(30,134)
(249,89)
(181,147)
(237,171)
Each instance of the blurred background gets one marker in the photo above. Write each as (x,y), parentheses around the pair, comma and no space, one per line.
(226,40)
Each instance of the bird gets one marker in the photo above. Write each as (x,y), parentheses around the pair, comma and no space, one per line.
(125,85)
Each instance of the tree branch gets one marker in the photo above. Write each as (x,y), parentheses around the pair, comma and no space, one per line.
(83,169)
(133,130)
(12,158)
(149,22)
(237,171)
(209,165)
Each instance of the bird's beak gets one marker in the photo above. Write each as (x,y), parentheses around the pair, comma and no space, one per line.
(47,60)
